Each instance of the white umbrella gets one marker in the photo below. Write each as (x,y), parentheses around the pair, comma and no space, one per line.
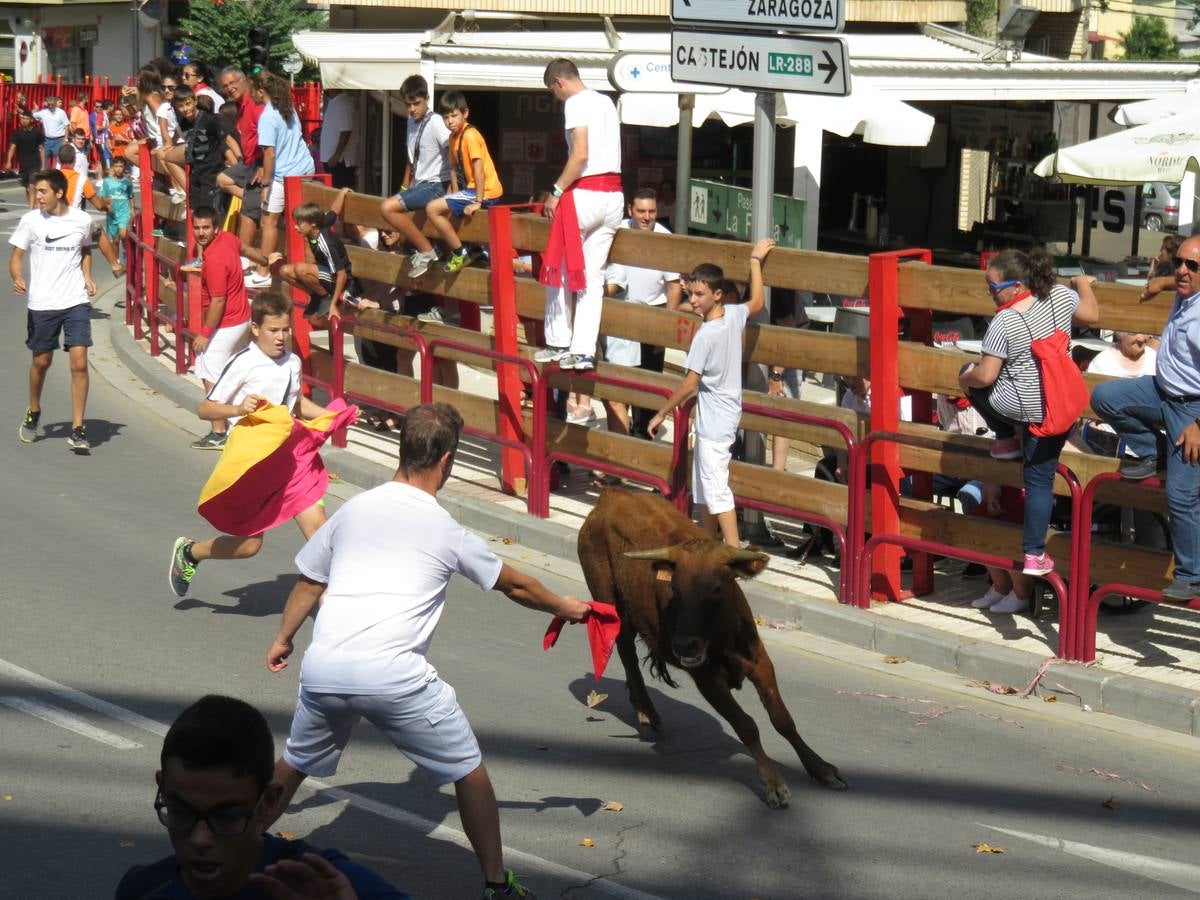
(1164,150)
(1142,112)
(878,118)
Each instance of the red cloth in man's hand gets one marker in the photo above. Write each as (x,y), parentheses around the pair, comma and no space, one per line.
(603,626)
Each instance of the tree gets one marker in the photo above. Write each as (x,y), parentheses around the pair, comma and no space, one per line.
(1150,38)
(217,31)
(981,18)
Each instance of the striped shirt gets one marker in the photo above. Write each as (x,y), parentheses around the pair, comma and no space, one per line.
(1017,392)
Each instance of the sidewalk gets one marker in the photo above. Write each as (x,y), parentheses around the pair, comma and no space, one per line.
(1147,666)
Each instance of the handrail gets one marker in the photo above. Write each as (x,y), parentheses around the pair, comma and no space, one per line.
(849,563)
(674,487)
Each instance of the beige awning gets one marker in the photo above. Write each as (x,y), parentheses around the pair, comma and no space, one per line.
(366,61)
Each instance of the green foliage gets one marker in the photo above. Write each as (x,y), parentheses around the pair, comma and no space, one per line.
(981,18)
(1150,38)
(218,32)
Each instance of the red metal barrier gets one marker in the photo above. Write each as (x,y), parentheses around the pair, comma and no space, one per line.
(846,585)
(863,548)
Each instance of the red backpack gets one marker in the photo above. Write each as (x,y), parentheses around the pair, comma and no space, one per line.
(1064,393)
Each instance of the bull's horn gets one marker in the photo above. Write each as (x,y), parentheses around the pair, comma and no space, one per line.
(740,554)
(662,554)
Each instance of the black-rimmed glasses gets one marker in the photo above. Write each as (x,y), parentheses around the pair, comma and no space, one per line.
(1192,264)
(226,821)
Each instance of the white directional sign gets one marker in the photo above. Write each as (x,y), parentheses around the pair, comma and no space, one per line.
(773,15)
(761,63)
(641,73)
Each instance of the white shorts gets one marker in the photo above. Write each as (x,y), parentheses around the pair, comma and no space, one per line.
(710,475)
(221,346)
(275,200)
(428,726)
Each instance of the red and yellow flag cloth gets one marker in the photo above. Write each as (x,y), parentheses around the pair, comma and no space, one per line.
(270,469)
(603,626)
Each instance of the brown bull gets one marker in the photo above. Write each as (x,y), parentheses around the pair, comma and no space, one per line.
(676,587)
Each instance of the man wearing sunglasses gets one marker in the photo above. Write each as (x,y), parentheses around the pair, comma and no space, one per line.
(1140,409)
(215,798)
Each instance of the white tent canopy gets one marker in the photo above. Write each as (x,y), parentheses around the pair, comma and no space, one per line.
(1164,150)
(878,118)
(1142,112)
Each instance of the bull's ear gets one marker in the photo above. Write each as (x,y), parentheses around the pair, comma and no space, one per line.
(747,562)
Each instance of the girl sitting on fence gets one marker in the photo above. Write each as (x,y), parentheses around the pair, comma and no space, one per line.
(1008,389)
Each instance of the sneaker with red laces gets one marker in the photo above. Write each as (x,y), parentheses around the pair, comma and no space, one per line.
(1006,448)
(1038,564)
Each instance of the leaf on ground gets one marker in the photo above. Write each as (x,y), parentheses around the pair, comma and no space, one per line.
(895,660)
(613,806)
(286,835)
(126,844)
(1111,803)
(593,719)
(1050,698)
(7,797)
(587,842)
(987,848)
(542,747)
(335,477)
(507,540)
(594,699)
(759,620)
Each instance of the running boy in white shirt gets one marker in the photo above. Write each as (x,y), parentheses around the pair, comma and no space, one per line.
(714,365)
(58,238)
(266,371)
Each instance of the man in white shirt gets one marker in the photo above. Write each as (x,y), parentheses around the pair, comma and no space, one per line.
(58,238)
(376,574)
(651,287)
(339,139)
(55,123)
(588,192)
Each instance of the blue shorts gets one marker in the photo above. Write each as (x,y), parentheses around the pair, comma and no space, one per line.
(52,146)
(421,195)
(44,327)
(460,200)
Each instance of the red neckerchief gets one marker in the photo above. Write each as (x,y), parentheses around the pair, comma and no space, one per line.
(603,626)
(564,246)
(1016,298)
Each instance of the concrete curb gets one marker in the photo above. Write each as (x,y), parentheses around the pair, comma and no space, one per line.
(1161,705)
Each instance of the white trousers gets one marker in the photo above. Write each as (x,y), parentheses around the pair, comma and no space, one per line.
(599,213)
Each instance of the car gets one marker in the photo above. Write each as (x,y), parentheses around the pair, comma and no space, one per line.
(1160,206)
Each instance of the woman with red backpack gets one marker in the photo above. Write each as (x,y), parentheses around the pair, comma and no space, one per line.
(1028,389)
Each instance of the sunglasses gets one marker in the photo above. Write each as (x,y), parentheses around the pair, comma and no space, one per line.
(997,287)
(1192,265)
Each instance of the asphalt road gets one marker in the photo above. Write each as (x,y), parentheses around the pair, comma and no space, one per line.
(96,657)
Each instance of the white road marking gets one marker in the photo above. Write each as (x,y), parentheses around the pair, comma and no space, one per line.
(63,719)
(393,813)
(81,699)
(1176,874)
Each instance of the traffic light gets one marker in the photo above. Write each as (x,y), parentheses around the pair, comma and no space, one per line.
(260,49)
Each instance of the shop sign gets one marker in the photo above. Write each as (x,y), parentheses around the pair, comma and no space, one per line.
(87,35)
(58,37)
(761,62)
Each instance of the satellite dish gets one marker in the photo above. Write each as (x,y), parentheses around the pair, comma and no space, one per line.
(151,13)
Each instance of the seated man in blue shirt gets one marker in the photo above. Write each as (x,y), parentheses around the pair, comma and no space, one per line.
(1139,409)
(215,797)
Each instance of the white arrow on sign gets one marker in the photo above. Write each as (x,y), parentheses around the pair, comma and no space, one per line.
(771,15)
(758,62)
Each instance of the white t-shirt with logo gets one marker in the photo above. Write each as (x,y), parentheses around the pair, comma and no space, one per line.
(716,354)
(55,245)
(386,557)
(594,111)
(648,286)
(433,162)
(250,371)
(339,117)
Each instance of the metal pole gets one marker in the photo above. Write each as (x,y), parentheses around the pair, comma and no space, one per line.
(683,169)
(761,194)
(137,36)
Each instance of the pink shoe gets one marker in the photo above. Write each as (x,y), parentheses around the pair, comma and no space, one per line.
(1006,448)
(1038,565)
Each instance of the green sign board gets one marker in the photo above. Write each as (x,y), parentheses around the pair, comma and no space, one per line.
(723,210)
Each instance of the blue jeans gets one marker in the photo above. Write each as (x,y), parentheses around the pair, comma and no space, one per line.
(1040,462)
(1137,408)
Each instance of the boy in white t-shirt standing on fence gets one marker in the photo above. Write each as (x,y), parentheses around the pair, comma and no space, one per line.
(714,370)
(58,239)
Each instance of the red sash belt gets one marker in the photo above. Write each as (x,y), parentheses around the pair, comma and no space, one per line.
(564,247)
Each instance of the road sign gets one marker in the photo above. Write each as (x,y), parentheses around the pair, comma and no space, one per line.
(651,73)
(794,65)
(725,210)
(772,15)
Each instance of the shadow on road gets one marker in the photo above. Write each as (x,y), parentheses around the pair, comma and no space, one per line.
(263,598)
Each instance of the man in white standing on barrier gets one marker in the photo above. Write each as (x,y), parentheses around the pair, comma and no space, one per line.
(376,574)
(585,210)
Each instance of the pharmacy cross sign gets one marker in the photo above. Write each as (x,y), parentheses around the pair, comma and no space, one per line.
(772,15)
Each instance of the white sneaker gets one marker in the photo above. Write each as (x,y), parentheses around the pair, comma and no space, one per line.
(988,600)
(549,354)
(585,415)
(419,263)
(1009,605)
(178,197)
(254,280)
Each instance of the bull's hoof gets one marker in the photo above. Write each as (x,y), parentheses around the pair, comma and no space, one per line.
(778,795)
(831,780)
(649,727)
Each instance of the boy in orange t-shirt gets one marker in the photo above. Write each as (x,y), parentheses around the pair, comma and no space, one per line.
(474,183)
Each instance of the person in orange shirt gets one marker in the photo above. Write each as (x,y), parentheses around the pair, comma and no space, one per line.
(118,131)
(474,183)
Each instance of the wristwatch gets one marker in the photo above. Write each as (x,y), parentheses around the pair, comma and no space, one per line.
(556,191)
(775,376)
